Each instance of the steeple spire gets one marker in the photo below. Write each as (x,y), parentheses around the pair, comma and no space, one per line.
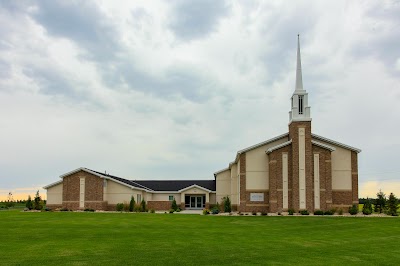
(299,78)
(300,111)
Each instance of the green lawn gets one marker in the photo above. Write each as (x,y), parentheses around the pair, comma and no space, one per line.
(58,238)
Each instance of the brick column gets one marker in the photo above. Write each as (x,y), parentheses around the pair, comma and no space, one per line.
(242,177)
(354,177)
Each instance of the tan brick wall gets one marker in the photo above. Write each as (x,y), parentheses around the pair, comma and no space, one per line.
(242,206)
(294,136)
(325,177)
(160,205)
(354,177)
(340,197)
(93,191)
(275,179)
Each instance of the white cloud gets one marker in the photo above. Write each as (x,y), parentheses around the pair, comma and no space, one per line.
(123,91)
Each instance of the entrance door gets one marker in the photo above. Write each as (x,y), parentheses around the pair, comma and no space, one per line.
(196,202)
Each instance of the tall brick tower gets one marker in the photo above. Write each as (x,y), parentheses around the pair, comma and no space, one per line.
(301,181)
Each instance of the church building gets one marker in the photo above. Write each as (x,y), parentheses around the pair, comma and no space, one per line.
(297,170)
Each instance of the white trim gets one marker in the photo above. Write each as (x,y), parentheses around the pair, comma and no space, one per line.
(322,145)
(263,143)
(278,146)
(176,192)
(103,176)
(192,186)
(53,184)
(336,143)
(221,171)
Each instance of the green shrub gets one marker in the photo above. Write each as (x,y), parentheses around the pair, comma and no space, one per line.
(48,209)
(29,203)
(329,212)
(353,210)
(304,212)
(206,211)
(120,207)
(291,211)
(318,212)
(64,210)
(152,211)
(264,214)
(215,210)
(254,213)
(132,204)
(393,205)
(227,204)
(143,207)
(89,210)
(137,208)
(171,210)
(37,202)
(178,210)
(174,206)
(380,202)
(367,207)
(126,206)
(340,211)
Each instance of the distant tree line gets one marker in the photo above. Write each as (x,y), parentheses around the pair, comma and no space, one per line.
(380,204)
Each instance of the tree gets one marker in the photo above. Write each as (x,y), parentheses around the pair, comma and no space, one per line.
(132,204)
(227,204)
(29,203)
(174,206)
(380,204)
(10,200)
(392,205)
(367,208)
(37,201)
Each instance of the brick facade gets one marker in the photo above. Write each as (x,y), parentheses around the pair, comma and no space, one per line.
(242,176)
(160,205)
(342,197)
(294,136)
(93,191)
(354,177)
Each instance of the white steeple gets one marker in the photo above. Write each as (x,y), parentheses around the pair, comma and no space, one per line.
(299,101)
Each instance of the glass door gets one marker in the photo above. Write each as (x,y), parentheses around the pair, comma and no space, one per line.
(199,202)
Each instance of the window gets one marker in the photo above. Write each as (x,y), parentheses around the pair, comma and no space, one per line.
(139,198)
(171,198)
(300,105)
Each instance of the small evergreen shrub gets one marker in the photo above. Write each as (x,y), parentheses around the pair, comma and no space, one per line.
(367,208)
(206,211)
(29,203)
(89,210)
(64,210)
(37,202)
(304,212)
(291,211)
(143,207)
(227,204)
(353,210)
(132,204)
(318,212)
(329,212)
(340,211)
(393,205)
(254,213)
(48,209)
(119,207)
(174,206)
(215,210)
(178,210)
(152,211)
(171,210)
(264,214)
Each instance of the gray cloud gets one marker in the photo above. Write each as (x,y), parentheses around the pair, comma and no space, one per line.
(196,19)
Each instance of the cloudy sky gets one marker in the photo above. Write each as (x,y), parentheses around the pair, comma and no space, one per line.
(172,89)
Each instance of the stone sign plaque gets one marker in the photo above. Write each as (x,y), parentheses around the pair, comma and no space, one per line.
(256,196)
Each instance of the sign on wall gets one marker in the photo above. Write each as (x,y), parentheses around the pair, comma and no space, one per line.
(256,196)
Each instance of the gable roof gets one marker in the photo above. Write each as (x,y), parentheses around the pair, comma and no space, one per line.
(251,148)
(335,143)
(176,185)
(278,146)
(145,185)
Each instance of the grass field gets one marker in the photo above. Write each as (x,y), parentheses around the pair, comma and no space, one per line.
(59,238)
